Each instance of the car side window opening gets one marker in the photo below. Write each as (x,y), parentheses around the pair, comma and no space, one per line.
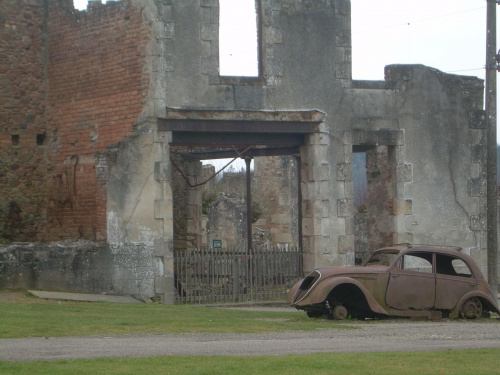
(381,258)
(418,262)
(452,266)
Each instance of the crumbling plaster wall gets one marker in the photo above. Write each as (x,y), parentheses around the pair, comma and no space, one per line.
(436,124)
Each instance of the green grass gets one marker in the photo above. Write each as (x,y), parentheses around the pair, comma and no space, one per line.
(463,362)
(33,317)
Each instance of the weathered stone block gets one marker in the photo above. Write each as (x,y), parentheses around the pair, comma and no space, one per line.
(209,31)
(345,207)
(163,209)
(344,172)
(346,244)
(478,154)
(162,171)
(169,30)
(323,244)
(163,247)
(478,119)
(478,222)
(209,65)
(404,172)
(164,285)
(477,187)
(272,35)
(318,139)
(402,207)
(343,7)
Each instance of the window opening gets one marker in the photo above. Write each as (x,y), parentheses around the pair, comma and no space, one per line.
(447,265)
(238,38)
(360,206)
(418,262)
(40,139)
(15,139)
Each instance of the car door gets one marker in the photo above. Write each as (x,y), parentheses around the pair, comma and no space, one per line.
(412,282)
(453,279)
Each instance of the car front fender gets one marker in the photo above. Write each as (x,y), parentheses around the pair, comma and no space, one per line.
(455,312)
(321,291)
(292,293)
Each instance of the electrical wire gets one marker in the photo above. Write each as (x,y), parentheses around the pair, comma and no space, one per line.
(417,21)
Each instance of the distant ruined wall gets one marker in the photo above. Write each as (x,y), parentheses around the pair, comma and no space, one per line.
(276,189)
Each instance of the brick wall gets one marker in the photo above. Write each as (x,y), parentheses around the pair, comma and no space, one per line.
(22,119)
(97,87)
(93,64)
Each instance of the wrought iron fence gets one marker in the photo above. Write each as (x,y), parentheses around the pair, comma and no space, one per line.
(217,275)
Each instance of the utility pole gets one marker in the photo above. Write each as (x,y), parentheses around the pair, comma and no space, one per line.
(491,152)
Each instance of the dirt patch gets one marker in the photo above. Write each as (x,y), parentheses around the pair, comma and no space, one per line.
(15,296)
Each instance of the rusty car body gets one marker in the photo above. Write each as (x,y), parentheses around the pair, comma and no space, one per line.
(402,280)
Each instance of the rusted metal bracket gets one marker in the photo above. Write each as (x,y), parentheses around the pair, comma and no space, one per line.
(186,178)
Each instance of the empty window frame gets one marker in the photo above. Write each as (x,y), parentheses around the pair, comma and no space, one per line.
(449,265)
(238,38)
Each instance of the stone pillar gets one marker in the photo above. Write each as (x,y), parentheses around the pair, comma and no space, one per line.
(163,210)
(317,240)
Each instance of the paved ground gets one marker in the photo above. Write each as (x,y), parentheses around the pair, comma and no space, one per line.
(82,297)
(369,337)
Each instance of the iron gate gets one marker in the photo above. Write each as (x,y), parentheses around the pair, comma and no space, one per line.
(218,276)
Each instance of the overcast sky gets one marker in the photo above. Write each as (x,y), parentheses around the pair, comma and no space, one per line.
(449,35)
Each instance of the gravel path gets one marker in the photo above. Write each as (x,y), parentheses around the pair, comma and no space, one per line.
(400,335)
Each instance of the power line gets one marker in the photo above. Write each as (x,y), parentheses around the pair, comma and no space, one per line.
(417,21)
(464,70)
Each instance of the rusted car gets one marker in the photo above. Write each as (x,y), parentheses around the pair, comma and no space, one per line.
(402,280)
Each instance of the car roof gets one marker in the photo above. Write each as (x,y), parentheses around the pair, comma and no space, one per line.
(448,250)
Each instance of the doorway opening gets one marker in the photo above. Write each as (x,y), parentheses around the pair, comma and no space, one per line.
(373,188)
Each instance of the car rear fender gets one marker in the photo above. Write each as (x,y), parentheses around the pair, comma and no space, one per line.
(455,312)
(323,289)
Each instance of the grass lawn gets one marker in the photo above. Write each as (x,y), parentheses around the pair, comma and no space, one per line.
(27,316)
(463,362)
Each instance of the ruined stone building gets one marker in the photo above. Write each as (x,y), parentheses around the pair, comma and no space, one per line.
(101,109)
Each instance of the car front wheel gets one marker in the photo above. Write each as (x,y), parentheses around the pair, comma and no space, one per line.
(471,309)
(339,312)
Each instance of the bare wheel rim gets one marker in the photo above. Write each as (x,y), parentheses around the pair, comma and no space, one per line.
(471,309)
(339,312)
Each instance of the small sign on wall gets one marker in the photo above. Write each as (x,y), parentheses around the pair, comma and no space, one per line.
(216,244)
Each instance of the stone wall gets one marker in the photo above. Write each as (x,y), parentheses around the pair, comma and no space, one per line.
(78,266)
(83,157)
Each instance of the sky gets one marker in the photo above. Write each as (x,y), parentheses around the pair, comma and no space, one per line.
(449,35)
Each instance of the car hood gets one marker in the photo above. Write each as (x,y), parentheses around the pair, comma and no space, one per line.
(346,270)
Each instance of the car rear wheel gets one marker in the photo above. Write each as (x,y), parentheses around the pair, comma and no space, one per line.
(471,309)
